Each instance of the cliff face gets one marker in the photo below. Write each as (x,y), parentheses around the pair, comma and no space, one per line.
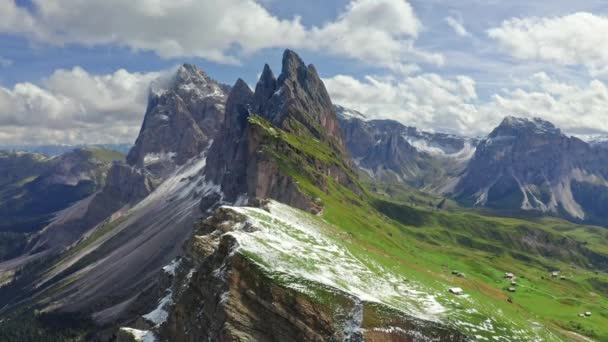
(273,122)
(224,291)
(390,152)
(531,165)
(181,119)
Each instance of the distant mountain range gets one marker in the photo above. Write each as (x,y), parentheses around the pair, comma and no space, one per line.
(523,164)
(55,150)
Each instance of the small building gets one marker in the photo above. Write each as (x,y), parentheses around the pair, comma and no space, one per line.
(514,283)
(460,275)
(509,275)
(562,278)
(587,313)
(554,274)
(511,289)
(456,290)
(581,315)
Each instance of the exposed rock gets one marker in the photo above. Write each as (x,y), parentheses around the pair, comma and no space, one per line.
(181,119)
(391,152)
(242,160)
(229,155)
(531,165)
(125,185)
(223,296)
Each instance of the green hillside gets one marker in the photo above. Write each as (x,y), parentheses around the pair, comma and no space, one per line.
(427,247)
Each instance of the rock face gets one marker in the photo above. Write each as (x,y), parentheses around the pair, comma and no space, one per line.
(531,165)
(229,155)
(296,103)
(181,119)
(221,294)
(392,152)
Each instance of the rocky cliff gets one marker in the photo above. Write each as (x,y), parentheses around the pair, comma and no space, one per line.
(530,164)
(184,113)
(391,152)
(278,120)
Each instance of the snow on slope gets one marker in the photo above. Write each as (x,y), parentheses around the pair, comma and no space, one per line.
(298,245)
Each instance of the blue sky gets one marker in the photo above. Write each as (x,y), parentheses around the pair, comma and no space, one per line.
(455,66)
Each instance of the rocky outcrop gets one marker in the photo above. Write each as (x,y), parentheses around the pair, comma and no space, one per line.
(182,117)
(531,165)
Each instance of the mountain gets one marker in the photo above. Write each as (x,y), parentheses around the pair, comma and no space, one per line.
(600,141)
(391,152)
(56,150)
(265,232)
(530,164)
(190,103)
(34,187)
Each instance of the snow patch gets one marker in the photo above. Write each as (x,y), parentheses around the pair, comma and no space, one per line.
(294,243)
(140,335)
(172,267)
(153,158)
(159,315)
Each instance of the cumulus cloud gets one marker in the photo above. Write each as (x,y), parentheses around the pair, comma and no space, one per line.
(575,39)
(427,101)
(431,102)
(577,109)
(74,106)
(457,26)
(375,31)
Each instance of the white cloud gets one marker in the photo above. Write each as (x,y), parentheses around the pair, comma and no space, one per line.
(427,101)
(374,31)
(73,106)
(457,26)
(576,109)
(432,102)
(575,39)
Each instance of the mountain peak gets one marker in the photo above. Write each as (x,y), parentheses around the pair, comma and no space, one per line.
(188,71)
(535,125)
(266,85)
(239,96)
(292,64)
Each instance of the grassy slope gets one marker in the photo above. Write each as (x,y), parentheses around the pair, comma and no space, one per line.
(426,245)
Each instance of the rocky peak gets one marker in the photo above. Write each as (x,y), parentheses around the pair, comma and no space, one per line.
(229,156)
(266,86)
(299,95)
(184,114)
(292,67)
(296,103)
(187,73)
(516,126)
(237,104)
